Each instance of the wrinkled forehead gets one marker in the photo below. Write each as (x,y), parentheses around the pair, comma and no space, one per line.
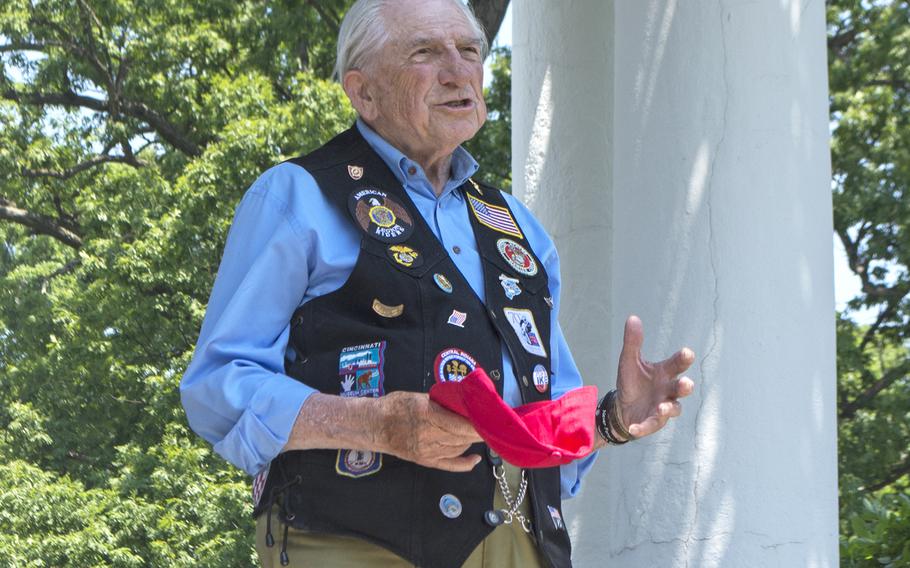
(413,24)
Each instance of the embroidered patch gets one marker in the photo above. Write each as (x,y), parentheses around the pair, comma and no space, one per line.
(453,364)
(360,370)
(556,518)
(259,484)
(405,256)
(522,321)
(457,318)
(380,215)
(541,378)
(387,311)
(357,463)
(356,172)
(495,217)
(510,285)
(443,283)
(517,256)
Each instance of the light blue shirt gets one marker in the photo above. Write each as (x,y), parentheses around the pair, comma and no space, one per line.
(288,245)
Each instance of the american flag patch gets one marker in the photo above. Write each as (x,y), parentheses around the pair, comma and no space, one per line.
(494,217)
(457,318)
(259,485)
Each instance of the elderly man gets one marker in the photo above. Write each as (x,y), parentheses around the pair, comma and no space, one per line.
(356,277)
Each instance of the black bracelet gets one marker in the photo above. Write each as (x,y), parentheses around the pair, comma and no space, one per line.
(603,421)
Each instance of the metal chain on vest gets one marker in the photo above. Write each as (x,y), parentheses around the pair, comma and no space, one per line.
(512,512)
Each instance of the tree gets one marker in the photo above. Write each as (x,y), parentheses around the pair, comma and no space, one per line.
(869,70)
(128,132)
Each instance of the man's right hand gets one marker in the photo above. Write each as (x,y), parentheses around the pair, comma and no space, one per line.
(414,428)
(407,425)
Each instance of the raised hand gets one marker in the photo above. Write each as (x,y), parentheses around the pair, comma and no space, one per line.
(649,393)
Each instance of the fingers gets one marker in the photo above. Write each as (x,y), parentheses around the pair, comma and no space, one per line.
(458,464)
(459,428)
(633,337)
(684,387)
(679,362)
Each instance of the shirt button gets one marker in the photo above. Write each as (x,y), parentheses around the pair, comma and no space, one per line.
(456,249)
(412,170)
(450,506)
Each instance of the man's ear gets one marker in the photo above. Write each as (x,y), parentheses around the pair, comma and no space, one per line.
(357,86)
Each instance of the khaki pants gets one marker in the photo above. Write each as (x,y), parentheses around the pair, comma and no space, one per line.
(508,546)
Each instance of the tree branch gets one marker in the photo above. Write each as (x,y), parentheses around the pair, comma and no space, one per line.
(325,16)
(41,224)
(81,167)
(136,110)
(490,13)
(847,411)
(896,473)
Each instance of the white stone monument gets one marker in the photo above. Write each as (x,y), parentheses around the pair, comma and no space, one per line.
(678,153)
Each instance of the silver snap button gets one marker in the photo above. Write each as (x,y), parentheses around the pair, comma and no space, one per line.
(524,380)
(495,374)
(456,249)
(450,506)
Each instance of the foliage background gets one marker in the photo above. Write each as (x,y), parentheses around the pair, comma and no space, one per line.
(128,132)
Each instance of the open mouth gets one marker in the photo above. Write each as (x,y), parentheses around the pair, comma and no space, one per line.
(459,103)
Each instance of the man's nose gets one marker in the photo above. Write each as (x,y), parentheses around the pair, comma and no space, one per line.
(455,70)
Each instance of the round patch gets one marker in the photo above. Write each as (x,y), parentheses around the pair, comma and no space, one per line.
(380,215)
(443,283)
(405,256)
(453,364)
(541,378)
(517,256)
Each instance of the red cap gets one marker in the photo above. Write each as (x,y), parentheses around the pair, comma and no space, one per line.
(540,434)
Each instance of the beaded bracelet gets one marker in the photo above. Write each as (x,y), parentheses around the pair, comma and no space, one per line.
(605,421)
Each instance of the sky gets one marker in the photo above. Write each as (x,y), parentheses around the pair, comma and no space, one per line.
(846,284)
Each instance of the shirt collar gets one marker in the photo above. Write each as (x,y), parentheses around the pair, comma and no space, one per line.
(409,172)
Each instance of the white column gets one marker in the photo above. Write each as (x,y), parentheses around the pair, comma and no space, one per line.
(678,153)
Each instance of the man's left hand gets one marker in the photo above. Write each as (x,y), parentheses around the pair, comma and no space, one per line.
(649,393)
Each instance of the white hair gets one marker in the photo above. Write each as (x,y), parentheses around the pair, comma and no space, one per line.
(363,33)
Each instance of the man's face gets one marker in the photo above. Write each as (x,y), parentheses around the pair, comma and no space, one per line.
(425,88)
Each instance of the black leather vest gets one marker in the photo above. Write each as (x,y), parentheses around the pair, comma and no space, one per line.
(404,319)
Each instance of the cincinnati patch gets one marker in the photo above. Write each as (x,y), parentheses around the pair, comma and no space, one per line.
(360,370)
(452,365)
(517,256)
(522,321)
(380,215)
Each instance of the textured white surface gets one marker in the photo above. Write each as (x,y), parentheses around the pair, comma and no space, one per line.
(678,153)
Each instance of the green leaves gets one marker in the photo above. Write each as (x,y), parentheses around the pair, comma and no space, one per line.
(869,73)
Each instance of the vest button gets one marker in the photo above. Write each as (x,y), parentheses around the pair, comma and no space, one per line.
(495,374)
(456,249)
(524,380)
(450,506)
(494,518)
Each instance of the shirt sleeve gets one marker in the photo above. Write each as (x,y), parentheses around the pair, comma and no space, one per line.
(234,391)
(565,375)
